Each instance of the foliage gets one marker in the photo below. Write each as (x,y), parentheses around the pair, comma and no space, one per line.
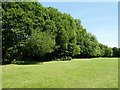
(17,62)
(38,44)
(116,52)
(33,32)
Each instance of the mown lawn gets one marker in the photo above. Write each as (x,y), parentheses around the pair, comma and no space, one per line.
(87,73)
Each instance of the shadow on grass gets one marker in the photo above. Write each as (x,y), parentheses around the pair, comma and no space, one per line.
(25,63)
(30,63)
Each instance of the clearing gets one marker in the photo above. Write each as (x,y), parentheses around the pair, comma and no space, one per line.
(89,73)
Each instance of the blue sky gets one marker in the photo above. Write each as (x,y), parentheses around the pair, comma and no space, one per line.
(99,18)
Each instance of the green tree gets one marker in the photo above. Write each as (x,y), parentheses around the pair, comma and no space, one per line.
(39,44)
(108,51)
(31,30)
(116,52)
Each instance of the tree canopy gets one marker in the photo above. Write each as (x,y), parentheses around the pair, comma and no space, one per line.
(33,32)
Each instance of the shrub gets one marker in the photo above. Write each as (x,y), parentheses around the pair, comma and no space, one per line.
(64,58)
(17,62)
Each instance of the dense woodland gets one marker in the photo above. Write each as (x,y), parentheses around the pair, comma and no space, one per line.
(31,32)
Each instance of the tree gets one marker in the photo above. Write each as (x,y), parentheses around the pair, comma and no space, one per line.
(116,52)
(31,30)
(61,42)
(108,51)
(39,44)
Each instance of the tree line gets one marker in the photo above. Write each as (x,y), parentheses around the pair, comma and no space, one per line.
(31,32)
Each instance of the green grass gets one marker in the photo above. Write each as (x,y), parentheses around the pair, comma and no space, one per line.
(87,73)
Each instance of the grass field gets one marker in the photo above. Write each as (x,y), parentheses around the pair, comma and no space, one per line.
(77,73)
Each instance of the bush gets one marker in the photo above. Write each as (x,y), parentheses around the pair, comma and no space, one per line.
(69,58)
(17,62)
(63,59)
(39,44)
